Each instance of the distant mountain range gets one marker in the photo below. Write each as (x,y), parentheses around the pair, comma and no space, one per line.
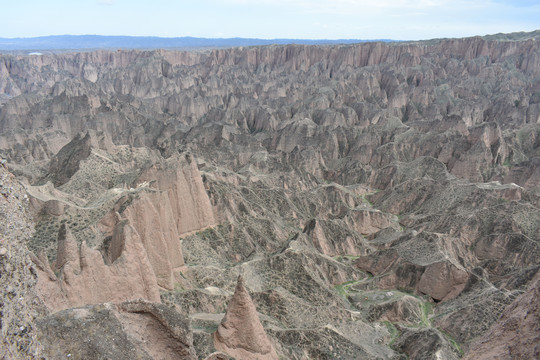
(60,43)
(82,42)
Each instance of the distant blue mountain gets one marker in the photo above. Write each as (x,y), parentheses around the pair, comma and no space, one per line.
(81,42)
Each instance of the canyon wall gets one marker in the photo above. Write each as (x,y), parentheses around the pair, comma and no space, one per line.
(379,200)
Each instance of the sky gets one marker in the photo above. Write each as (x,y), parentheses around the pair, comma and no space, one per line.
(269,19)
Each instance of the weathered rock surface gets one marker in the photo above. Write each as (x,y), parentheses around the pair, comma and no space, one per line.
(380,200)
(84,278)
(178,207)
(140,250)
(130,330)
(19,305)
(240,333)
(406,266)
(515,334)
(425,344)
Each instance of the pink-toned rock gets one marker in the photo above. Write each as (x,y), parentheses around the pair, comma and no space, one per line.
(67,250)
(443,280)
(368,222)
(160,218)
(241,333)
(42,263)
(378,264)
(86,279)
(516,334)
(318,238)
(329,245)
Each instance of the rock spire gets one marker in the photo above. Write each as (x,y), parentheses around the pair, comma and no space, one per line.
(241,333)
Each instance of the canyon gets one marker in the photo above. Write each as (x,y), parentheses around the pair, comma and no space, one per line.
(356,201)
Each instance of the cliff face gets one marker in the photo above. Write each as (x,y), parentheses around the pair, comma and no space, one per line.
(134,329)
(138,228)
(380,200)
(142,98)
(84,278)
(19,304)
(179,206)
(514,335)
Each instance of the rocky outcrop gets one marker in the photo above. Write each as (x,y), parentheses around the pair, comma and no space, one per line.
(19,305)
(130,330)
(515,334)
(403,266)
(240,333)
(425,344)
(84,277)
(364,191)
(443,280)
(139,234)
(348,243)
(67,251)
(164,200)
(179,206)
(66,162)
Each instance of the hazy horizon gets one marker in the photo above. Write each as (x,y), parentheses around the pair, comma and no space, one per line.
(200,37)
(271,19)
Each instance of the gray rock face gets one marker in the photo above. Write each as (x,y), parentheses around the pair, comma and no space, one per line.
(66,162)
(514,334)
(19,305)
(139,330)
(425,344)
(380,200)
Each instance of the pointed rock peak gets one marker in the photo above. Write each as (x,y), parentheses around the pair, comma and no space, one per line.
(67,249)
(63,232)
(42,256)
(84,255)
(122,232)
(99,140)
(240,284)
(241,333)
(310,226)
(66,162)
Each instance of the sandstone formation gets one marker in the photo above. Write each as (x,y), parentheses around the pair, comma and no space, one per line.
(84,278)
(180,206)
(515,334)
(129,330)
(240,333)
(19,305)
(425,344)
(380,200)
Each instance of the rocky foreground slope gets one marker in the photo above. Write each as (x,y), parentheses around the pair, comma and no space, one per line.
(370,201)
(19,304)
